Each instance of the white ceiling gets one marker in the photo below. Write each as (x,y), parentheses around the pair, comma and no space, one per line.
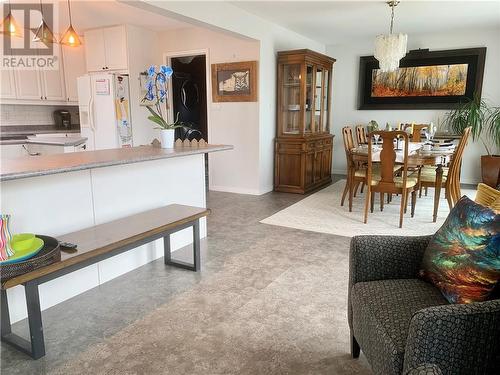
(333,22)
(92,14)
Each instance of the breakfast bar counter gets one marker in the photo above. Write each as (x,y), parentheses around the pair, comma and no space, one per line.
(63,193)
(31,166)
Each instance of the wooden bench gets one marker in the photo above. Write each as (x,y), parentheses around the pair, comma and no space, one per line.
(95,244)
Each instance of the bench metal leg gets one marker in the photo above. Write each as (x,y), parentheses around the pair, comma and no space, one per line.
(35,347)
(195,266)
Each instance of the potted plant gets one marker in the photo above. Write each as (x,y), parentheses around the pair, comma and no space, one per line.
(156,94)
(485,122)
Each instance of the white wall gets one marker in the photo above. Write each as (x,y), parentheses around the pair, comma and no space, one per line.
(236,123)
(142,53)
(272,38)
(345,89)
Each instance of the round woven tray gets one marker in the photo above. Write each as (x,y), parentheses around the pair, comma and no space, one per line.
(49,254)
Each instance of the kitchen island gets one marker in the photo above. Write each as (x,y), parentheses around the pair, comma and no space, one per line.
(62,193)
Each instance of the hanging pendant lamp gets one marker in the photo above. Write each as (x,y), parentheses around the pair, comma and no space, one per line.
(10,26)
(70,37)
(390,48)
(43,33)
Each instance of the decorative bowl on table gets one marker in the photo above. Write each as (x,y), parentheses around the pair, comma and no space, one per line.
(24,246)
(48,253)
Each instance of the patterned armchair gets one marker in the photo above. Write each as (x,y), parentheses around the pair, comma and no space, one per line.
(404,325)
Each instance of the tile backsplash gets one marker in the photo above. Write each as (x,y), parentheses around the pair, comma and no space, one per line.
(16,114)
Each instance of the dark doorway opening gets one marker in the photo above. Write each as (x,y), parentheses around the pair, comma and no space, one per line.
(189,98)
(189,95)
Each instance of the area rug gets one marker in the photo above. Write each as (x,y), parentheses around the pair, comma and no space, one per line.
(321,212)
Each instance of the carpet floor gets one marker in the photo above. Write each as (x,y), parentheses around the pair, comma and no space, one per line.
(268,300)
(321,212)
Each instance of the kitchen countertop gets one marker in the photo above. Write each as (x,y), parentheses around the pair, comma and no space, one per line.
(32,132)
(56,141)
(32,166)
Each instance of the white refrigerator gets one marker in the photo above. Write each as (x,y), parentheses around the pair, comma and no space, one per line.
(104,106)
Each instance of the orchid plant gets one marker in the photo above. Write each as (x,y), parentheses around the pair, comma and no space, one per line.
(156,92)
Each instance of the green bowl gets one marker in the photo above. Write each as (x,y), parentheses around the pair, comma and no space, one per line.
(22,241)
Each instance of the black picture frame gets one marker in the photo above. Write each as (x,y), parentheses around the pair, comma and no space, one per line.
(474,57)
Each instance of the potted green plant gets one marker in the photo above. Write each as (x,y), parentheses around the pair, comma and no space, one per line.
(156,94)
(485,122)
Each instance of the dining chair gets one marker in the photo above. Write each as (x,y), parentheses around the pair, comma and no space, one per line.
(361,135)
(416,135)
(451,175)
(385,182)
(356,174)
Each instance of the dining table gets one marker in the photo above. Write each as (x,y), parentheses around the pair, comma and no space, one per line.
(417,157)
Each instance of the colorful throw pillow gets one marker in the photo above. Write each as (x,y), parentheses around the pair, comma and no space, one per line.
(463,257)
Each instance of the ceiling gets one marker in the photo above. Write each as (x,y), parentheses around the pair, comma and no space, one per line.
(332,22)
(93,14)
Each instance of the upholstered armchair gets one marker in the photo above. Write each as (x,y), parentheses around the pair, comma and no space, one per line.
(404,325)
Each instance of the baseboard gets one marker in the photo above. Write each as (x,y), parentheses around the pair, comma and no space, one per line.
(339,171)
(236,190)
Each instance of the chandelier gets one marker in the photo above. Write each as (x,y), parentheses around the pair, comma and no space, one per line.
(390,48)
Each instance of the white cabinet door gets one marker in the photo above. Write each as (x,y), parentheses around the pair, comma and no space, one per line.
(74,67)
(8,84)
(12,151)
(53,81)
(115,43)
(28,85)
(95,54)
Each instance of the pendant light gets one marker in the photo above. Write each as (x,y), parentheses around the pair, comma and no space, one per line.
(43,33)
(390,48)
(10,26)
(70,37)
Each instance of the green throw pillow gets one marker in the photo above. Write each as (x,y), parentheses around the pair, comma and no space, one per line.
(463,257)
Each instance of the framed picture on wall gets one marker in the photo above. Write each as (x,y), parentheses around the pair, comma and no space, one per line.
(424,80)
(234,82)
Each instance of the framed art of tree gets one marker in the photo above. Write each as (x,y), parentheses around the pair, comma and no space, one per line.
(425,79)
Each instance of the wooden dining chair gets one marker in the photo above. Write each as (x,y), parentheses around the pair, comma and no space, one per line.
(356,174)
(386,182)
(416,135)
(451,175)
(361,135)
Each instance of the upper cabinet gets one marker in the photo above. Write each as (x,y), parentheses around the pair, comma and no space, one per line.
(303,98)
(44,86)
(74,67)
(52,81)
(8,86)
(106,49)
(28,85)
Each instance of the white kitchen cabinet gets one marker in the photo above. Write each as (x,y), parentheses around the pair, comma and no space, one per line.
(53,86)
(13,151)
(8,85)
(28,85)
(115,43)
(74,67)
(106,49)
(95,54)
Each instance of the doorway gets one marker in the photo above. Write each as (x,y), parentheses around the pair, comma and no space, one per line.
(189,95)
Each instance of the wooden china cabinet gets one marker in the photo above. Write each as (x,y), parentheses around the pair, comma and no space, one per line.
(303,146)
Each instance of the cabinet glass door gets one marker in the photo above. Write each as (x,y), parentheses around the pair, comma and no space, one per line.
(318,99)
(326,98)
(309,98)
(290,99)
